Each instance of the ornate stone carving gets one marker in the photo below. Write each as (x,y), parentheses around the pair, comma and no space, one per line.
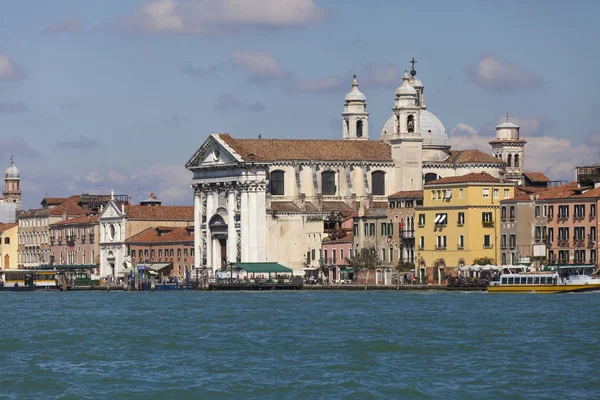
(204,234)
(238,256)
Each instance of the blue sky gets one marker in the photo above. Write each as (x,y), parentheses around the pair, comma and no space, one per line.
(118,94)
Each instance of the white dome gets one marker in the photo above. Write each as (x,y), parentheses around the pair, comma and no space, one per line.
(12,172)
(415,82)
(405,89)
(432,129)
(355,94)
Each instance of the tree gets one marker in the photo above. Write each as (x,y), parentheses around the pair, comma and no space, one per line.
(365,259)
(484,261)
(405,266)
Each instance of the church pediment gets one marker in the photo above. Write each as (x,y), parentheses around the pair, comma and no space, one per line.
(213,152)
(111,210)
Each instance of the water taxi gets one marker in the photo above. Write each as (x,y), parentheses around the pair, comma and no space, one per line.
(27,279)
(562,279)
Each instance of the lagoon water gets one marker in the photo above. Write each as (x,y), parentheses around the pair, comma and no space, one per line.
(299,345)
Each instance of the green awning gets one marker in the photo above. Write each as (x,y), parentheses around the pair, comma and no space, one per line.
(264,267)
(348,269)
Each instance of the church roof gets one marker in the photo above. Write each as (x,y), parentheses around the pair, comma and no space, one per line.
(471,156)
(310,149)
(76,221)
(160,213)
(68,207)
(473,177)
(53,201)
(5,227)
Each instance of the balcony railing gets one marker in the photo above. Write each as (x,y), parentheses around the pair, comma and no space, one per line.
(460,246)
(328,261)
(489,246)
(562,217)
(440,247)
(489,223)
(578,216)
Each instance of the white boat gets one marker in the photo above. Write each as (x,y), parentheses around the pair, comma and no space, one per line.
(561,279)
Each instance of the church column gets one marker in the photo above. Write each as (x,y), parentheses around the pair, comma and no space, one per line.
(261,216)
(253,219)
(209,241)
(231,236)
(197,226)
(244,222)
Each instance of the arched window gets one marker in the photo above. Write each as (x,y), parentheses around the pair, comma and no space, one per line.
(328,183)
(410,123)
(277,183)
(359,128)
(430,176)
(6,240)
(509,160)
(516,160)
(6,261)
(378,183)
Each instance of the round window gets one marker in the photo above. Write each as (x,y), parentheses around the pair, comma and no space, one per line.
(216,154)
(112,231)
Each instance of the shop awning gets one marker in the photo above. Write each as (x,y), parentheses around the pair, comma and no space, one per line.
(265,267)
(68,267)
(310,268)
(348,269)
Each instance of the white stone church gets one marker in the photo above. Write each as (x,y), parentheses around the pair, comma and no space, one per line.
(267,199)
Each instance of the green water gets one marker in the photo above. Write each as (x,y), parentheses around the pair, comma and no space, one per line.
(299,345)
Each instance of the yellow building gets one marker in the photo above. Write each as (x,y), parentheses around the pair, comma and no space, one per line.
(458,223)
(9,246)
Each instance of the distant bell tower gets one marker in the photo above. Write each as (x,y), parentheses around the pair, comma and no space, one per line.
(355,118)
(12,191)
(509,147)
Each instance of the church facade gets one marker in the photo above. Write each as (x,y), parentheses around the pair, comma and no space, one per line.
(269,199)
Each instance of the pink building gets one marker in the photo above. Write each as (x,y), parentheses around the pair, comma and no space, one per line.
(335,249)
(75,241)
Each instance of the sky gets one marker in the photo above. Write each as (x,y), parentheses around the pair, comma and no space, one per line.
(118,94)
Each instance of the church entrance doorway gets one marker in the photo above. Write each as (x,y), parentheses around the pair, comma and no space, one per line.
(223,252)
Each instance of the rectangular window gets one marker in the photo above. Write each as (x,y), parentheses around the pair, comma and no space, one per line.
(503,258)
(308,257)
(421,219)
(538,233)
(383,255)
(366,229)
(460,193)
(551,235)
(503,241)
(333,256)
(550,212)
(313,254)
(506,193)
(461,242)
(152,254)
(132,253)
(593,256)
(325,256)
(487,243)
(592,210)
(179,253)
(372,229)
(579,233)
(486,193)
(441,219)
(512,240)
(503,213)
(355,230)
(538,211)
(391,254)
(392,204)
(341,254)
(421,242)
(486,217)
(383,229)
(171,252)
(461,218)
(513,214)
(159,253)
(390,228)
(592,237)
(496,193)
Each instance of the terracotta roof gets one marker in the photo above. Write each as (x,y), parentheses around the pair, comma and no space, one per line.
(536,177)
(292,149)
(379,204)
(69,207)
(53,201)
(407,194)
(284,206)
(473,177)
(339,235)
(76,221)
(151,235)
(336,206)
(523,193)
(160,213)
(591,193)
(471,157)
(5,227)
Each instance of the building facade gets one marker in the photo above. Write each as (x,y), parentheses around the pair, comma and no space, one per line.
(401,211)
(75,241)
(459,223)
(119,221)
(336,248)
(8,246)
(267,200)
(172,248)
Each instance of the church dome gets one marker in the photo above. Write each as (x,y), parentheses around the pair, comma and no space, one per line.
(415,82)
(432,129)
(405,89)
(355,94)
(12,172)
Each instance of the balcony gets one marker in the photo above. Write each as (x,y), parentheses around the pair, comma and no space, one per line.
(70,239)
(562,261)
(578,216)
(460,247)
(488,223)
(562,217)
(579,261)
(578,241)
(440,247)
(550,217)
(489,246)
(328,261)
(592,215)
(563,242)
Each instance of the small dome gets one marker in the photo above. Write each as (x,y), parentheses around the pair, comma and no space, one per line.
(507,124)
(12,172)
(405,89)
(355,94)
(415,82)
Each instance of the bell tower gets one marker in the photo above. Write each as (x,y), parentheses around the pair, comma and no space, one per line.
(12,191)
(355,118)
(510,148)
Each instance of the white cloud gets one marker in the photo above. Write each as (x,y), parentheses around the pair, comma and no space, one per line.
(491,73)
(71,25)
(219,16)
(258,65)
(556,157)
(9,70)
(315,85)
(530,126)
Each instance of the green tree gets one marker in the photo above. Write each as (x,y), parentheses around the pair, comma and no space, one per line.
(405,266)
(366,259)
(484,261)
